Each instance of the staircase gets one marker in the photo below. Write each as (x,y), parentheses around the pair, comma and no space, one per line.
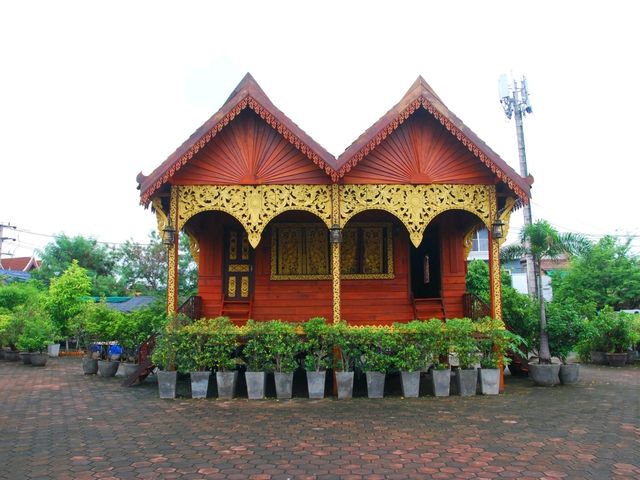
(236,309)
(145,364)
(427,308)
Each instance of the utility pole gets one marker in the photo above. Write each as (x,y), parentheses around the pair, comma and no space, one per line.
(515,102)
(3,238)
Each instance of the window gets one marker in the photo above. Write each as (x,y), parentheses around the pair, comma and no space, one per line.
(480,241)
(301,251)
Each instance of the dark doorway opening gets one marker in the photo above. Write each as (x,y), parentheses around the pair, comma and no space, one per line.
(426,277)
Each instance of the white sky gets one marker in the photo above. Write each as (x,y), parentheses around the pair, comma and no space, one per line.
(91,93)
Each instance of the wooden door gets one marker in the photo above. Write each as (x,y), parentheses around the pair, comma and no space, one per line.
(238,265)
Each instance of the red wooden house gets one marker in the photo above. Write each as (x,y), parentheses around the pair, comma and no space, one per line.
(282,229)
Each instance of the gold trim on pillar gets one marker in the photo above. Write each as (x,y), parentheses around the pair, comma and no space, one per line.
(254,206)
(335,252)
(494,269)
(172,264)
(416,205)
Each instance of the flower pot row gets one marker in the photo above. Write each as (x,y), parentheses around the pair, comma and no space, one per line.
(467,382)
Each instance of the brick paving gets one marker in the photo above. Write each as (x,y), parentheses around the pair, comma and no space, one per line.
(57,423)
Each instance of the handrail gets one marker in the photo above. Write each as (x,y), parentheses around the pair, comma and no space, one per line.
(475,307)
(192,307)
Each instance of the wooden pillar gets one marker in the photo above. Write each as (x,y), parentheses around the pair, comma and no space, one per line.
(172,263)
(335,252)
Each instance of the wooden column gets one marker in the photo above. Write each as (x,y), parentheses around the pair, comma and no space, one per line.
(335,252)
(172,261)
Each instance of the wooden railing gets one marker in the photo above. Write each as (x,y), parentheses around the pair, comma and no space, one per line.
(192,307)
(474,307)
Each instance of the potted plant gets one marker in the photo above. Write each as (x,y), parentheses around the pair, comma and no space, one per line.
(164,357)
(494,342)
(283,343)
(192,356)
(377,345)
(541,240)
(415,344)
(37,333)
(257,358)
(347,342)
(620,338)
(318,346)
(435,334)
(85,329)
(12,329)
(221,346)
(100,323)
(460,334)
(564,327)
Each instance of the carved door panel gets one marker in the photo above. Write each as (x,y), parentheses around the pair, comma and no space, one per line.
(238,265)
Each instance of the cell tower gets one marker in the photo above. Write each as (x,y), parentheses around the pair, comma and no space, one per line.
(515,102)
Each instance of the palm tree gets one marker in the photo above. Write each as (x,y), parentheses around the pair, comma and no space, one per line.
(541,240)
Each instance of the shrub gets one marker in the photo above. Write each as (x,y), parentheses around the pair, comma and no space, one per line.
(165,352)
(495,342)
(255,352)
(459,333)
(377,348)
(565,326)
(38,330)
(347,340)
(318,344)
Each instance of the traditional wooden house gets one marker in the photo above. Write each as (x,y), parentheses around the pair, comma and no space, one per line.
(282,229)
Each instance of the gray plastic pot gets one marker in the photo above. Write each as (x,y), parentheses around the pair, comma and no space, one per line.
(226,382)
(89,366)
(544,375)
(467,381)
(39,359)
(256,382)
(489,381)
(284,385)
(107,369)
(315,384)
(375,384)
(199,384)
(569,373)
(410,384)
(167,384)
(441,381)
(344,381)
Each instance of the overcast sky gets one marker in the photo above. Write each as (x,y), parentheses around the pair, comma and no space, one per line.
(91,93)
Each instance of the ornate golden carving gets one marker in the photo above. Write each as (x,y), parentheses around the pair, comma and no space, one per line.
(231,288)
(349,251)
(254,206)
(496,281)
(245,247)
(467,241)
(372,261)
(244,287)
(239,268)
(194,247)
(505,215)
(416,205)
(172,267)
(317,250)
(494,268)
(233,245)
(335,252)
(161,217)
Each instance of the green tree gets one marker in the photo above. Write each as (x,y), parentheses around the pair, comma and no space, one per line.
(66,294)
(143,268)
(541,240)
(97,259)
(606,274)
(15,294)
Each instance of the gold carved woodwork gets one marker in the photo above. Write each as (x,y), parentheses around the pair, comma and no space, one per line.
(233,245)
(504,216)
(496,280)
(349,251)
(299,252)
(254,206)
(244,287)
(172,270)
(467,241)
(239,268)
(231,289)
(335,253)
(416,205)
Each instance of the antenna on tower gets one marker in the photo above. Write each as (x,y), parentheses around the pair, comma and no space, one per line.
(515,102)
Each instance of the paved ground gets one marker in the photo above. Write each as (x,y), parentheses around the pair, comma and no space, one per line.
(57,423)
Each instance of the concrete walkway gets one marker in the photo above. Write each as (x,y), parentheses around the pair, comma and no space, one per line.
(55,423)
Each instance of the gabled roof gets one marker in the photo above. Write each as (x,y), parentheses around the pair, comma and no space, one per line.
(421,95)
(247,94)
(20,264)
